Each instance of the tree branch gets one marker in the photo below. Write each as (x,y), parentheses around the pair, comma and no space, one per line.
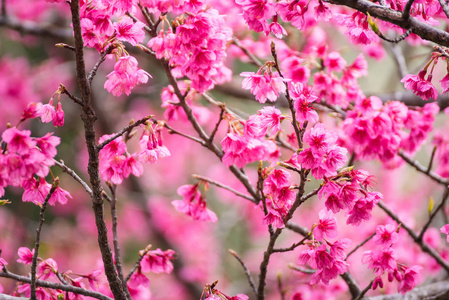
(55,286)
(419,28)
(245,268)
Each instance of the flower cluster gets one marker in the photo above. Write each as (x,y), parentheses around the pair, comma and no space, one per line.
(125,77)
(196,49)
(323,157)
(25,157)
(156,261)
(378,131)
(193,203)
(279,197)
(115,161)
(328,259)
(384,260)
(349,192)
(241,148)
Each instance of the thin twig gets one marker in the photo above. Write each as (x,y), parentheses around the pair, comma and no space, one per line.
(56,286)
(73,175)
(424,246)
(223,186)
(246,270)
(422,169)
(434,213)
(217,125)
(407,8)
(396,39)
(71,96)
(444,7)
(294,246)
(137,264)
(302,270)
(365,290)
(432,156)
(94,70)
(360,245)
(123,131)
(399,59)
(251,56)
(171,130)
(117,258)
(281,289)
(38,239)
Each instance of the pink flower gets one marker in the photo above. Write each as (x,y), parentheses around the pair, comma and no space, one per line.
(380,260)
(47,268)
(18,140)
(386,235)
(158,261)
(445,83)
(58,120)
(33,110)
(25,255)
(410,279)
(319,139)
(125,77)
(334,62)
(420,86)
(193,204)
(35,191)
(127,30)
(327,225)
(265,87)
(59,195)
(3,263)
(137,280)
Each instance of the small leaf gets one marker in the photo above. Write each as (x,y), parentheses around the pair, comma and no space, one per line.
(431,204)
(4,202)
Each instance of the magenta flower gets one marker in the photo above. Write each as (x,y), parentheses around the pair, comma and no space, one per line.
(420,86)
(326,227)
(127,30)
(264,87)
(386,235)
(125,77)
(25,255)
(60,196)
(3,263)
(18,140)
(158,261)
(410,279)
(193,204)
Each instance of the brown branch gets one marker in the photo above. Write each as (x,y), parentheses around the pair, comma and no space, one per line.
(420,168)
(434,213)
(245,269)
(38,239)
(365,290)
(31,28)
(424,246)
(88,116)
(73,175)
(251,56)
(407,8)
(117,257)
(434,291)
(294,246)
(55,286)
(223,186)
(444,7)
(419,28)
(360,245)
(123,131)
(71,96)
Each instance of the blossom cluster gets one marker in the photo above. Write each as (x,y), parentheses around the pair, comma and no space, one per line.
(384,258)
(116,163)
(193,203)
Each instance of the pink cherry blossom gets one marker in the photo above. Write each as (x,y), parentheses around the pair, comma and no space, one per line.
(326,227)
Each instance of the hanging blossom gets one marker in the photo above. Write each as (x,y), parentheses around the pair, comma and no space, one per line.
(249,145)
(384,258)
(193,203)
(328,259)
(196,48)
(279,197)
(351,193)
(24,158)
(323,157)
(116,163)
(211,293)
(125,77)
(265,84)
(420,85)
